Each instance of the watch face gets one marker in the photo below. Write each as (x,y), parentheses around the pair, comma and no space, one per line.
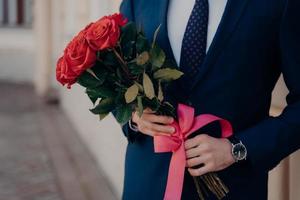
(239,151)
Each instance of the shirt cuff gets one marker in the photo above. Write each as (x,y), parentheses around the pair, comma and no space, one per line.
(133,126)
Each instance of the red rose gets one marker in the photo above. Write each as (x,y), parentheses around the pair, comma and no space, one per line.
(78,57)
(105,32)
(84,31)
(119,18)
(64,74)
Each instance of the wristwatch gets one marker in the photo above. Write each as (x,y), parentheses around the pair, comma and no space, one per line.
(238,151)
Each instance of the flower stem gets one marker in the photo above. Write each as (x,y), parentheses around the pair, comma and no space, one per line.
(213,183)
(199,191)
(122,62)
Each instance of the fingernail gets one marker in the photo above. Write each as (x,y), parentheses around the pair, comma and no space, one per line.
(172,129)
(171,120)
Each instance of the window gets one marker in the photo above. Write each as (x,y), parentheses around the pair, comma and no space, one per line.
(16,13)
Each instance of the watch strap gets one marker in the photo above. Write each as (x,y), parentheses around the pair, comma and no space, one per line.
(234,140)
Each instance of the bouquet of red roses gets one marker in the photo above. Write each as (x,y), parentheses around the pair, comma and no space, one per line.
(123,72)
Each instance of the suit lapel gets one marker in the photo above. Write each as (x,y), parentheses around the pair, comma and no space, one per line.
(232,13)
(230,19)
(163,35)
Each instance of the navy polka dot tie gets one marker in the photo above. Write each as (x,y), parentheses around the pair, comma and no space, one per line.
(194,42)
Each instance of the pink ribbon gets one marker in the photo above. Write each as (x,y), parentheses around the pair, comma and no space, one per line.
(187,124)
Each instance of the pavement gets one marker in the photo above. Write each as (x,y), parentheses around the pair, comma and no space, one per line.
(41,155)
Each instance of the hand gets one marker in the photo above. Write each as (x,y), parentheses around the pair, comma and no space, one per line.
(151,124)
(207,154)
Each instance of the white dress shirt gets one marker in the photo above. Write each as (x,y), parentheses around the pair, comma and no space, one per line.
(178,16)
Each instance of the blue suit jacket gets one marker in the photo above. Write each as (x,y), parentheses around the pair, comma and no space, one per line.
(255,42)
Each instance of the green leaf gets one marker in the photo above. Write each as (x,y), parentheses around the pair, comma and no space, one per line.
(128,38)
(143,58)
(129,33)
(100,92)
(155,35)
(153,104)
(170,63)
(92,96)
(92,73)
(131,93)
(167,109)
(100,71)
(158,57)
(105,106)
(88,80)
(102,116)
(128,50)
(112,79)
(141,89)
(108,58)
(148,87)
(135,69)
(123,114)
(142,43)
(160,95)
(140,107)
(167,74)
(119,74)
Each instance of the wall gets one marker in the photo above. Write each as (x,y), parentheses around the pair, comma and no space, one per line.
(16,51)
(16,44)
(104,139)
(284,181)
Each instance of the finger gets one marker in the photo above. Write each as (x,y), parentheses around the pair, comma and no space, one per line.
(160,128)
(196,151)
(135,117)
(148,110)
(199,171)
(158,119)
(148,132)
(152,133)
(196,161)
(161,134)
(196,141)
(191,143)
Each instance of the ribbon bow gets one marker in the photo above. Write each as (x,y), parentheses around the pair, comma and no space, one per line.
(186,125)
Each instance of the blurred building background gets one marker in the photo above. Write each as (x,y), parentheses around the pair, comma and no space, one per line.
(33,34)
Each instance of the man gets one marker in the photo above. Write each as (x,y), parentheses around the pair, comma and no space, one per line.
(232,53)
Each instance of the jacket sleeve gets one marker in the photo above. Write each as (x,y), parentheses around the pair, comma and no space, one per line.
(126,9)
(277,137)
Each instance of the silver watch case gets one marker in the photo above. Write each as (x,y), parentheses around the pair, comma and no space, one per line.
(239,151)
